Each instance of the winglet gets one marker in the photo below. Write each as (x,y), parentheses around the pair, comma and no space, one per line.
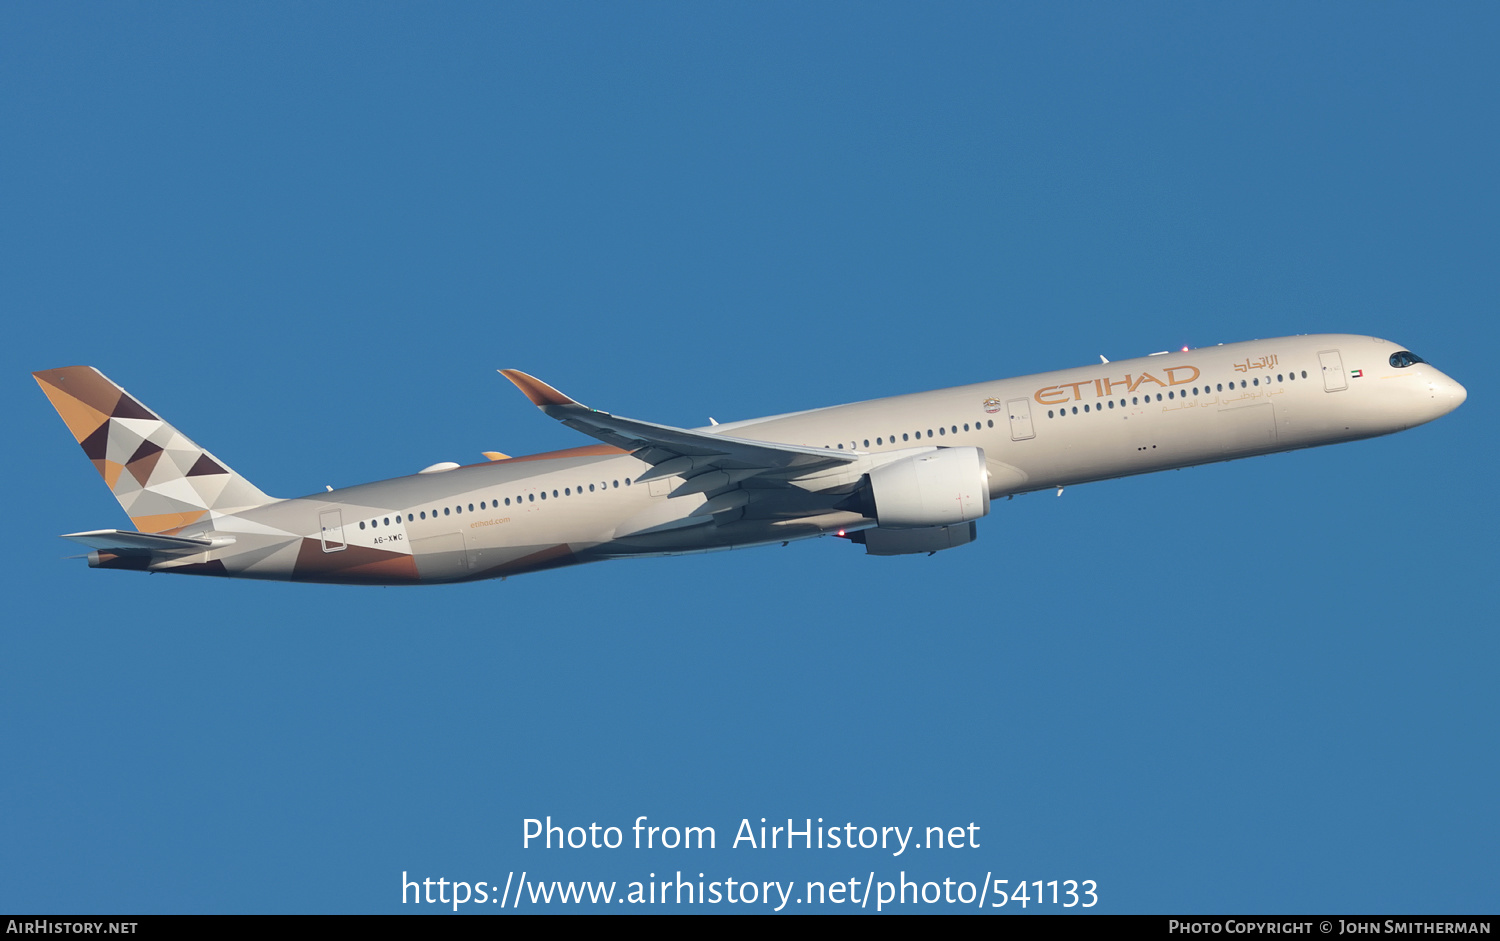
(540,394)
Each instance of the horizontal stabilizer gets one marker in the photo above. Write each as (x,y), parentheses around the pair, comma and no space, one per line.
(122,542)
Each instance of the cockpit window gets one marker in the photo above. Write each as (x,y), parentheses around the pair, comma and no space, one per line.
(1404,358)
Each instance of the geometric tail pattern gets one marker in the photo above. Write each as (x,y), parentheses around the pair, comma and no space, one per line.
(162,479)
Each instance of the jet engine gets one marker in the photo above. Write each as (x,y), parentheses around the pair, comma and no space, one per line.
(928,539)
(934,488)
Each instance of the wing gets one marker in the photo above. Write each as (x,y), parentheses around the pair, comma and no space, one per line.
(682,452)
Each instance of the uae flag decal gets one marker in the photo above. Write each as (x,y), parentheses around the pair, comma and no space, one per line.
(1357,373)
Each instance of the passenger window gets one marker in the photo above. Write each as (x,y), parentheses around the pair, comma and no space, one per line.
(1304,374)
(991,423)
(918,434)
(446,511)
(361,524)
(904,437)
(507,501)
(1049,413)
(567,491)
(942,431)
(531,498)
(1256,381)
(1075,410)
(1111,403)
(423,514)
(544,494)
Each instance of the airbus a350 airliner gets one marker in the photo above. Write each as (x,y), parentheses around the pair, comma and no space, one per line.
(909,474)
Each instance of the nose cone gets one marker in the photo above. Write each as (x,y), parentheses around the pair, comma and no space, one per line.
(1442,396)
(1452,392)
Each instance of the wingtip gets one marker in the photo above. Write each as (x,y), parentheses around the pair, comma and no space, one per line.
(540,394)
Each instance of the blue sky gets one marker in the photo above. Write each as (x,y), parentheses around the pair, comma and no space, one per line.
(308,235)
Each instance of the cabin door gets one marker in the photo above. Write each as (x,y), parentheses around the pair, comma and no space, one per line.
(1334,378)
(331,524)
(1020,419)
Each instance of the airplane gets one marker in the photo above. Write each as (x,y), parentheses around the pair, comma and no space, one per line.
(903,475)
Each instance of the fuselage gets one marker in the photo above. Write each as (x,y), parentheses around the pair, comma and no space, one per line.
(1043,431)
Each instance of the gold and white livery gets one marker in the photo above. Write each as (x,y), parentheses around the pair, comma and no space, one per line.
(909,474)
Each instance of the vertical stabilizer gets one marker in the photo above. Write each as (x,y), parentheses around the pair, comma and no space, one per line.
(162,479)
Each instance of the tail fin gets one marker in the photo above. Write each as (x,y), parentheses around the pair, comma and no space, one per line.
(162,479)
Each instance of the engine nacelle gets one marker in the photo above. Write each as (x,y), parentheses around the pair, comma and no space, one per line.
(929,539)
(936,488)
